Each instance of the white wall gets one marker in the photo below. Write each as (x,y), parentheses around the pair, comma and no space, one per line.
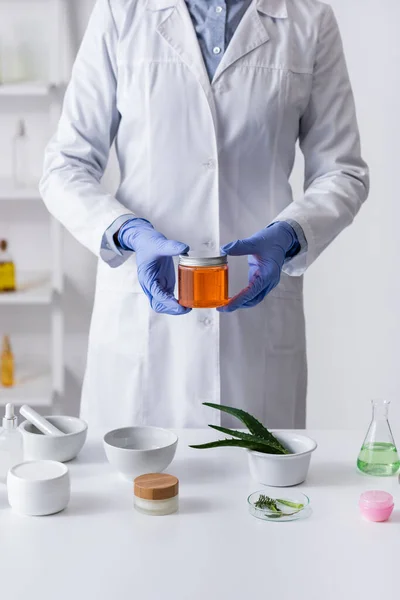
(352,294)
(353,290)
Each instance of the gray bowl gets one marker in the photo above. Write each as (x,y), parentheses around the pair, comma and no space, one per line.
(38,446)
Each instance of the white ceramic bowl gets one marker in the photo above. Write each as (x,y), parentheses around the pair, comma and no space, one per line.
(136,451)
(38,488)
(38,446)
(282,470)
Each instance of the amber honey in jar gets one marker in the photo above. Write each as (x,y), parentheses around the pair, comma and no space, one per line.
(203,281)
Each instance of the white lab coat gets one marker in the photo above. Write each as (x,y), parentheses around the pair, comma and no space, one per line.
(206,164)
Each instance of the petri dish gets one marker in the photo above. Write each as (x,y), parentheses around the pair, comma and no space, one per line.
(287,513)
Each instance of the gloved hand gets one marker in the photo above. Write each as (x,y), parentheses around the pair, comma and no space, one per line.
(155,266)
(267,252)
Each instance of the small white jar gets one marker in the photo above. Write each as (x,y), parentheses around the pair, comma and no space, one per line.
(156,494)
(38,488)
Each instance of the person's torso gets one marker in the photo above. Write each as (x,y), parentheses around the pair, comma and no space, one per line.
(208,162)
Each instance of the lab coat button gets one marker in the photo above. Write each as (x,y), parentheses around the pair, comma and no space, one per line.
(218,9)
(207,322)
(210,164)
(216,50)
(209,244)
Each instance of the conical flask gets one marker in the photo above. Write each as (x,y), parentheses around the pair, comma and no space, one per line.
(378,454)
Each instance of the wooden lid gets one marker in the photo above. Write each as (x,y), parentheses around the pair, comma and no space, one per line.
(156,486)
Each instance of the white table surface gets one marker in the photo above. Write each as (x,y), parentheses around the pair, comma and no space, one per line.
(100,548)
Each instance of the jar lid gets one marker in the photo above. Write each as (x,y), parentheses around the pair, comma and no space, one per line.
(156,486)
(202,260)
(39,471)
(376,499)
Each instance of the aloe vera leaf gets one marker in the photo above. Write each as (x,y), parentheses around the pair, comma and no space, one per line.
(290,504)
(235,443)
(270,447)
(253,425)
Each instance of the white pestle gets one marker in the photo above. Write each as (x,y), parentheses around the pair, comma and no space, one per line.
(39,422)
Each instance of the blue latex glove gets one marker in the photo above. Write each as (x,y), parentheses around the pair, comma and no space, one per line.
(267,252)
(155,267)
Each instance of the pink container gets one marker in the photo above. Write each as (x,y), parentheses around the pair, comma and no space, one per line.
(376,505)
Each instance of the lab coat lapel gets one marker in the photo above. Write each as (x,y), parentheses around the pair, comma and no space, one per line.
(178,31)
(251,32)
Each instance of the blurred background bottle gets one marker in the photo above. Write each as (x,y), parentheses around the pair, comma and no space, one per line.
(15,57)
(7,363)
(7,269)
(20,156)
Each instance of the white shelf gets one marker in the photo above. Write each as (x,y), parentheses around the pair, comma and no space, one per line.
(39,288)
(35,89)
(32,288)
(9,192)
(35,391)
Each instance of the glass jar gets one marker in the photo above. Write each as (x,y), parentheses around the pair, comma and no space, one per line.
(156,494)
(203,281)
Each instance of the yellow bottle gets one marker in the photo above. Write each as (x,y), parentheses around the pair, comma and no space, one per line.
(7,269)
(7,364)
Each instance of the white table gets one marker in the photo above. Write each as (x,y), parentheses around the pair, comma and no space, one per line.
(100,548)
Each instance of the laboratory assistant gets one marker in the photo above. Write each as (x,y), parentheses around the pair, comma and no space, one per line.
(205,105)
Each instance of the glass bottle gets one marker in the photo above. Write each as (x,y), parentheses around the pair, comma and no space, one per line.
(378,454)
(6,363)
(11,443)
(7,269)
(20,156)
(15,57)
